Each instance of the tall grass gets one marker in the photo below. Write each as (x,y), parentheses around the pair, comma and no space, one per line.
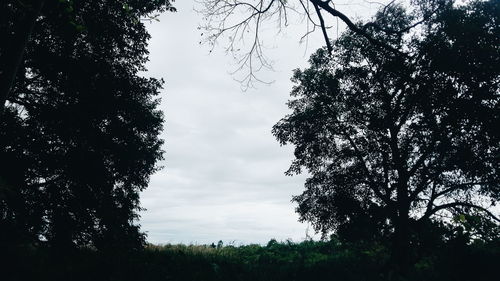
(276,261)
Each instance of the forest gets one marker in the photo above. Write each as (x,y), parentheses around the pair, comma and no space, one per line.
(395,122)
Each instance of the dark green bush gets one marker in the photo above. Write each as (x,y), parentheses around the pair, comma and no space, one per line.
(309,260)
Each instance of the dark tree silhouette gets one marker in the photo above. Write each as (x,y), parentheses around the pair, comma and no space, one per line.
(19,18)
(394,141)
(79,136)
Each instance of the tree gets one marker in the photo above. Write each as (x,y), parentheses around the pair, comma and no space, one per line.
(79,137)
(397,141)
(19,18)
(241,22)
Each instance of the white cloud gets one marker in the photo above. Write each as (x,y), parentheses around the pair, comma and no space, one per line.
(223,177)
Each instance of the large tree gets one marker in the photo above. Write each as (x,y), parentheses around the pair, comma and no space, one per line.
(79,136)
(395,141)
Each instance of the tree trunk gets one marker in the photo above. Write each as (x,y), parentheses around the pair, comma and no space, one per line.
(401,240)
(12,55)
(401,247)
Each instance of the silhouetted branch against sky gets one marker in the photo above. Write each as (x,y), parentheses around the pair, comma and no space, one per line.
(242,22)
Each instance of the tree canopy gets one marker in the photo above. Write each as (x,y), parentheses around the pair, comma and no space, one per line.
(79,136)
(20,18)
(393,141)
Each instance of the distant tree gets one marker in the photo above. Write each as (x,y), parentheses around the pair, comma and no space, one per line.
(393,142)
(79,136)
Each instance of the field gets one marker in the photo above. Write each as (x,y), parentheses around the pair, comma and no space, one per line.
(276,261)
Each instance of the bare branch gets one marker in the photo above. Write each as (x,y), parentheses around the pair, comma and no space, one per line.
(240,20)
(323,28)
(353,27)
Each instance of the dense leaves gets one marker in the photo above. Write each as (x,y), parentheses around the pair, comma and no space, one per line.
(393,140)
(79,138)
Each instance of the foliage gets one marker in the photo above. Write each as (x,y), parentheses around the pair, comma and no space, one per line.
(19,19)
(308,260)
(394,140)
(79,138)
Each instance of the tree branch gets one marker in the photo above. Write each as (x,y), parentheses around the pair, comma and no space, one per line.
(436,209)
(353,27)
(13,56)
(323,28)
(373,185)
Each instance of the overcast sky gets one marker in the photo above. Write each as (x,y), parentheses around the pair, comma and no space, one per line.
(223,175)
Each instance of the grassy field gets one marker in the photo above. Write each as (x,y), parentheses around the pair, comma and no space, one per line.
(276,261)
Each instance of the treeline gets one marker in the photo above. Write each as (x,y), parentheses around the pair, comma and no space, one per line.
(309,260)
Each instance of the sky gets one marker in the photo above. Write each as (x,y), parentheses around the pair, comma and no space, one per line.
(223,173)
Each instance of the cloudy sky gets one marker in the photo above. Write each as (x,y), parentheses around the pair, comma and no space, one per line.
(223,175)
